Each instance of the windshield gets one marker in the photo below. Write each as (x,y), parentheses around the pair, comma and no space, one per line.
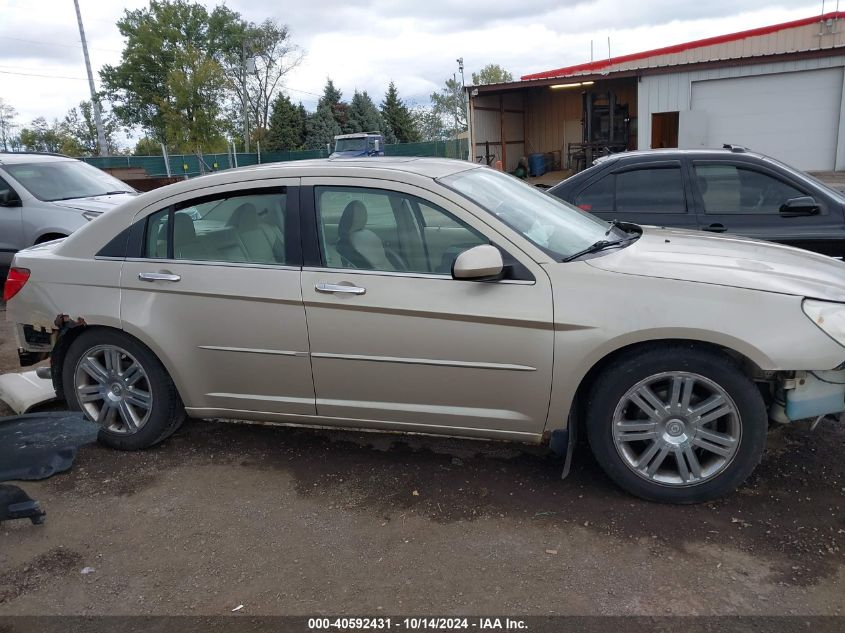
(555,226)
(66,179)
(350,145)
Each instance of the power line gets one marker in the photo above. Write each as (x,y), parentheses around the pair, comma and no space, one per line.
(42,43)
(9,72)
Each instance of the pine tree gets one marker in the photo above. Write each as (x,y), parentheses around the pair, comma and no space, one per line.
(398,118)
(321,128)
(363,116)
(287,126)
(332,98)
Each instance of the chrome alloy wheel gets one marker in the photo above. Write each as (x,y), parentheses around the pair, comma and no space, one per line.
(677,429)
(113,389)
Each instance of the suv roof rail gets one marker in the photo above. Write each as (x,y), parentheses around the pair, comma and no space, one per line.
(36,153)
(739,149)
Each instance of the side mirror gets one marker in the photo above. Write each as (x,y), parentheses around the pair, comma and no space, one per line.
(797,207)
(9,198)
(479,263)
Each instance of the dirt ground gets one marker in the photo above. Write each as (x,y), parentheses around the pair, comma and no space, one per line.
(288,521)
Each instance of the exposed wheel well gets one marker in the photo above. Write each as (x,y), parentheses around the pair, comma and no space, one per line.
(579,402)
(49,237)
(66,339)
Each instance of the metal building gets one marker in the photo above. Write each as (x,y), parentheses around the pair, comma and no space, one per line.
(776,89)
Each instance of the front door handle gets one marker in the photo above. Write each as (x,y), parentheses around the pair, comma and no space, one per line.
(341,288)
(158,277)
(716,228)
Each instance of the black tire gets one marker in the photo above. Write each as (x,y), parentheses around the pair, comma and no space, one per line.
(628,370)
(166,413)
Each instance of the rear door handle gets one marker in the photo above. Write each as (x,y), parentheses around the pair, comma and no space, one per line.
(716,228)
(339,288)
(158,277)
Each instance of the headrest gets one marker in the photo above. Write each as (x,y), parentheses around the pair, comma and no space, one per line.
(245,217)
(354,218)
(183,228)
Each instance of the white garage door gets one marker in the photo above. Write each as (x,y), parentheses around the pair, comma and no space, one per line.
(791,116)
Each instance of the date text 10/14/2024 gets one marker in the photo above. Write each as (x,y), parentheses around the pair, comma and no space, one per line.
(417,624)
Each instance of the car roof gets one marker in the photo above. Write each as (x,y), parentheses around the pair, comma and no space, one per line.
(18,158)
(674,151)
(428,167)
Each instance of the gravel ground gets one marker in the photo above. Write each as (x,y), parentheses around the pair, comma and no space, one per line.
(287,521)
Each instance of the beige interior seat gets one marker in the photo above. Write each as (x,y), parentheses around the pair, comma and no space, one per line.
(359,246)
(263,242)
(186,244)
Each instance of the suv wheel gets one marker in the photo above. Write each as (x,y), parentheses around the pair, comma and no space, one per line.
(677,424)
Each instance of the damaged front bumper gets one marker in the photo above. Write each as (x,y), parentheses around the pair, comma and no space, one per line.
(808,394)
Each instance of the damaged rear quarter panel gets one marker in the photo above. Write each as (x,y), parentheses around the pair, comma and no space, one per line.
(85,290)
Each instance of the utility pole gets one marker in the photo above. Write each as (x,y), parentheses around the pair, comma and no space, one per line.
(465,100)
(95,103)
(243,91)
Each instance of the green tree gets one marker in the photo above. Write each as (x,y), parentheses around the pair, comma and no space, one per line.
(43,136)
(321,128)
(491,74)
(147,146)
(430,125)
(192,114)
(7,124)
(449,104)
(362,114)
(170,81)
(399,120)
(79,125)
(256,59)
(333,99)
(287,126)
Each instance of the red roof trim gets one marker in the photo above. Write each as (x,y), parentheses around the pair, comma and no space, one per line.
(679,48)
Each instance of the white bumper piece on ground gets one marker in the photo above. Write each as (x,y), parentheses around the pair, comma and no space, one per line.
(25,390)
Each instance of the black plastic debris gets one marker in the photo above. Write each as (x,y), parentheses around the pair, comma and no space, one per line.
(39,445)
(16,504)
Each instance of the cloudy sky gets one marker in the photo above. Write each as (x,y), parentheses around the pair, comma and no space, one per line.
(366,44)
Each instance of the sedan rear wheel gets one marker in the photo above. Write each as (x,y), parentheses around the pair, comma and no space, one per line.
(119,384)
(113,389)
(677,423)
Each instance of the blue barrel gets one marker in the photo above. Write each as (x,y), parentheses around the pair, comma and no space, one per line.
(536,164)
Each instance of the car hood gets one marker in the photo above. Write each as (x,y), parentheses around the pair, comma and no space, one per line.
(728,260)
(100,204)
(352,153)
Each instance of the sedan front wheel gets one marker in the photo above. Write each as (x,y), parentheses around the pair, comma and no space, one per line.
(677,424)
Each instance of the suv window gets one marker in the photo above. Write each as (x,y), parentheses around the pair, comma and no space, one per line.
(375,229)
(5,186)
(237,228)
(650,190)
(738,190)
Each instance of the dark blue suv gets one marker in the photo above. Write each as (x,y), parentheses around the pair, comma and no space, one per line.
(729,190)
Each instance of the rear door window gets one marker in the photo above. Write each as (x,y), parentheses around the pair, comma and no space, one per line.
(650,190)
(249,228)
